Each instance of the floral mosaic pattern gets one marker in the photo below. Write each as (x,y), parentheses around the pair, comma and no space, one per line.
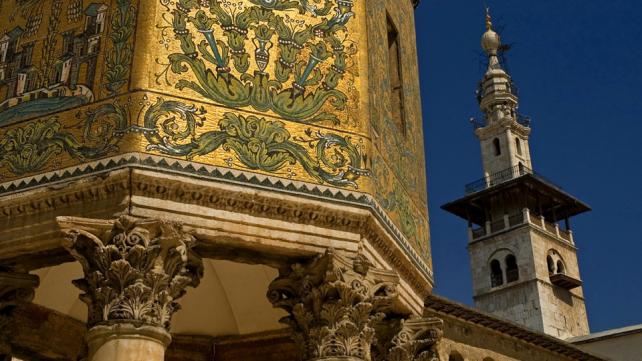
(172,128)
(33,147)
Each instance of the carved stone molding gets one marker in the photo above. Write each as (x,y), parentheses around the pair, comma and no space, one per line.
(14,288)
(135,270)
(333,305)
(258,205)
(113,189)
(416,340)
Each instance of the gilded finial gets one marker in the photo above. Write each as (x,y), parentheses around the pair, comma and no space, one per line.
(489,19)
(490,41)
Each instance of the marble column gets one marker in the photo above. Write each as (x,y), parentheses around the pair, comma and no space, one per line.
(14,289)
(135,270)
(334,305)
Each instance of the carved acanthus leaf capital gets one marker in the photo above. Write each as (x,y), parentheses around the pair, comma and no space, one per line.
(333,304)
(135,270)
(416,340)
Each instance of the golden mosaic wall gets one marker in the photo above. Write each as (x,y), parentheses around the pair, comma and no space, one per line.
(398,162)
(286,88)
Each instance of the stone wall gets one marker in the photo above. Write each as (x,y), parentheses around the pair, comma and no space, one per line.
(533,300)
(475,343)
(470,335)
(516,302)
(515,242)
(563,311)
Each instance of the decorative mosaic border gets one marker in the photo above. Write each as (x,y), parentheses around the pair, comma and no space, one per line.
(202,171)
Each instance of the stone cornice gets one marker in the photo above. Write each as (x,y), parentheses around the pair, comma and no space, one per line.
(510,288)
(507,123)
(49,198)
(347,211)
(357,220)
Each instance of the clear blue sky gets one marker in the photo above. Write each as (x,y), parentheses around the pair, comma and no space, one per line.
(578,66)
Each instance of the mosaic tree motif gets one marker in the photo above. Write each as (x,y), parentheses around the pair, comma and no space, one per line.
(254,54)
(171,127)
(119,58)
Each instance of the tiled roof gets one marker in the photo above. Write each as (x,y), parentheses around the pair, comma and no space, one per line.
(447,307)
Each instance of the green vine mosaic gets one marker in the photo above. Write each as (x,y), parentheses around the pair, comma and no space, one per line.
(259,144)
(33,146)
(310,63)
(396,201)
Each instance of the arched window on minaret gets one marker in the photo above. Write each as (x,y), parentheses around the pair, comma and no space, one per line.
(512,271)
(497,147)
(551,265)
(555,263)
(496,274)
(518,146)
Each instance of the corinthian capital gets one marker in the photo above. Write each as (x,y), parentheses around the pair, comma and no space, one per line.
(333,305)
(416,340)
(135,270)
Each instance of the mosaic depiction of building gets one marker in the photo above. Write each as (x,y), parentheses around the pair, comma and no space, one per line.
(287,89)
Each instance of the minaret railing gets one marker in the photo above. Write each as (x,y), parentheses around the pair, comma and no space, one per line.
(522,120)
(497,178)
(502,177)
(510,221)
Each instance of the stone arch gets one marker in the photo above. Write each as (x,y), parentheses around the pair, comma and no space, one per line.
(496,273)
(555,262)
(550,264)
(512,269)
(507,260)
(497,148)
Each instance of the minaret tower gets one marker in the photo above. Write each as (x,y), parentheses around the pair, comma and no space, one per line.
(522,250)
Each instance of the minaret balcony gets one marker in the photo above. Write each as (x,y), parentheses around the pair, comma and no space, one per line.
(516,220)
(522,120)
(499,178)
(565,281)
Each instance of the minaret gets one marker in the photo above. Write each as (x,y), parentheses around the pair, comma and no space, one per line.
(524,263)
(503,133)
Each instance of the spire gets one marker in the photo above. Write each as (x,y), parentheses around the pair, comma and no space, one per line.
(491,42)
(489,20)
(496,97)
